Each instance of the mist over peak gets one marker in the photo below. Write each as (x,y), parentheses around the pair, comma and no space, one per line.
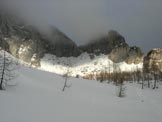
(82,20)
(79,20)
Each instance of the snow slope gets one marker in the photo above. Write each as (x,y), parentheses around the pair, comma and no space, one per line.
(83,65)
(37,97)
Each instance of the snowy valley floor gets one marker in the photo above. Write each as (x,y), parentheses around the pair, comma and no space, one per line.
(38,97)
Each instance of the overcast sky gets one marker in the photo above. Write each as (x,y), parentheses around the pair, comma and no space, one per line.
(139,21)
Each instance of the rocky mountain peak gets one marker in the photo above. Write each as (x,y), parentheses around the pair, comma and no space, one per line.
(114,45)
(23,41)
(104,44)
(115,38)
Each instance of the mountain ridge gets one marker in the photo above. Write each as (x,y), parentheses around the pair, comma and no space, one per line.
(26,41)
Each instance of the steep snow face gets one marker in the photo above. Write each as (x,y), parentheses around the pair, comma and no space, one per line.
(84,64)
(38,97)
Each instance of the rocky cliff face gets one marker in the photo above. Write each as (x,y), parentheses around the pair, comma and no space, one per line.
(134,55)
(119,53)
(116,47)
(105,44)
(61,45)
(153,58)
(24,41)
(128,54)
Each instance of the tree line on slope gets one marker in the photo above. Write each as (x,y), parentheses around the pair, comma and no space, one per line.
(147,79)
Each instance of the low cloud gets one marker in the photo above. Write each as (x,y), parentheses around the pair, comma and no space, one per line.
(139,21)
